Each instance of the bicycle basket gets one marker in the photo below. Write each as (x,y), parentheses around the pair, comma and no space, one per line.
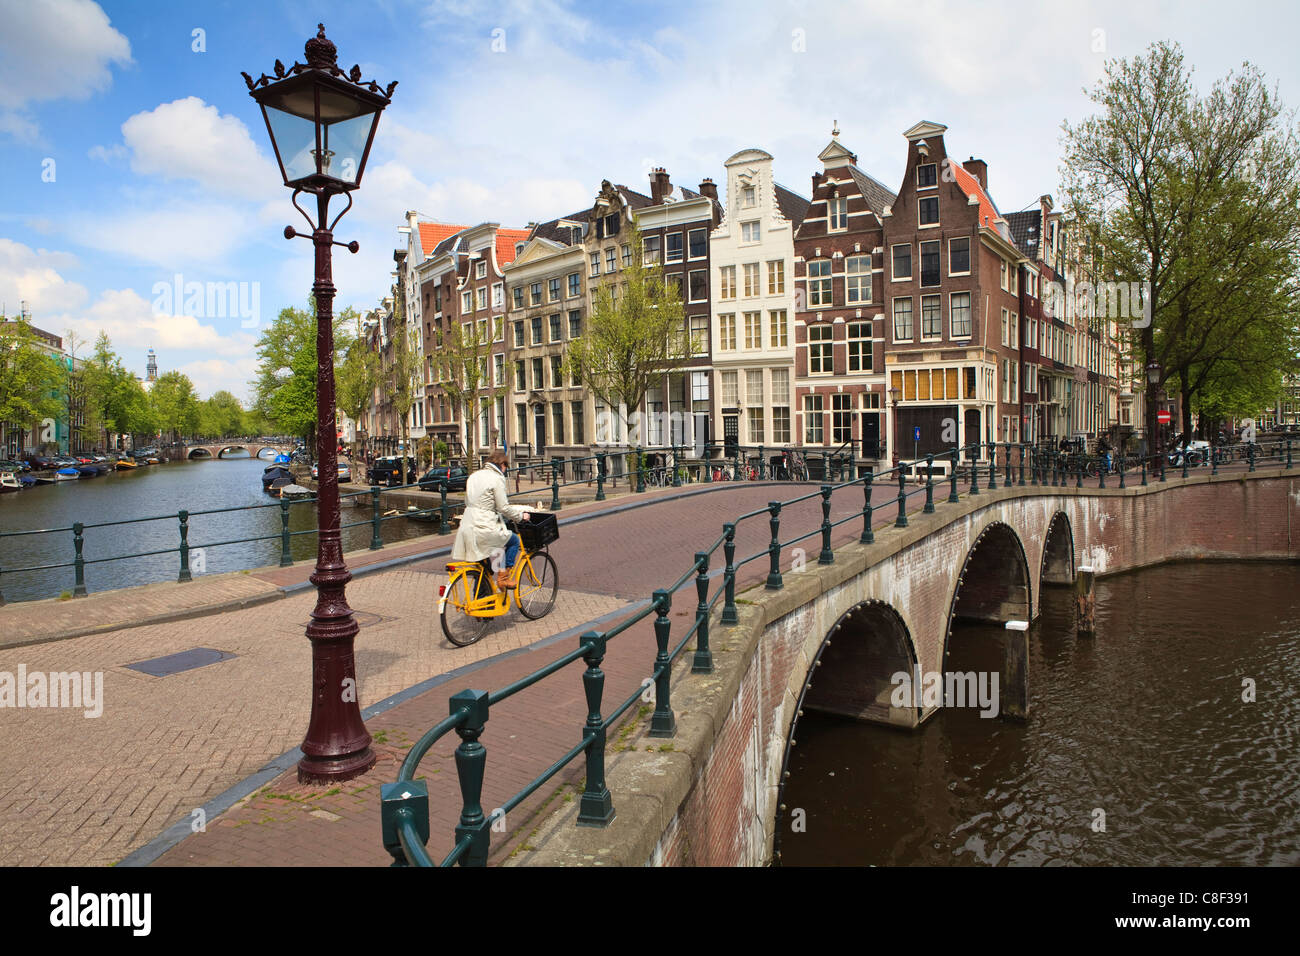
(538,532)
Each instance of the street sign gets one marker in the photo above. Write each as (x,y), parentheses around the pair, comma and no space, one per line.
(916,433)
(1164,417)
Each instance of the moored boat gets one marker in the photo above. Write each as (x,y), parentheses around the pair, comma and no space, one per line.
(274,474)
(126,464)
(9,482)
(294,491)
(66,474)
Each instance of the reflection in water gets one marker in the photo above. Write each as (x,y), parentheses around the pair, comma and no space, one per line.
(1145,722)
(163,490)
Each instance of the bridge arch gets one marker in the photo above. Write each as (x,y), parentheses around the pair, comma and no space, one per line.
(226,448)
(1058,551)
(267,452)
(198,453)
(994,583)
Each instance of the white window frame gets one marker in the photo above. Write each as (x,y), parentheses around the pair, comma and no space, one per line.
(893,262)
(965,239)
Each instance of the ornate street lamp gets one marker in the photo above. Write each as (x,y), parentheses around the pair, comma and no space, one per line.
(322,122)
(895,393)
(1153,425)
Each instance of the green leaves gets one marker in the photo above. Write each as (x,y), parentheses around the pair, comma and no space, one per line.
(31,379)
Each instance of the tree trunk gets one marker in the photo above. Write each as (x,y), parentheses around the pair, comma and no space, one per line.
(1186,410)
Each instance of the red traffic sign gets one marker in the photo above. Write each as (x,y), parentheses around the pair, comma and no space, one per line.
(1164,417)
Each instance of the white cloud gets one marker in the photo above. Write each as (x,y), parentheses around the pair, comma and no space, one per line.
(32,277)
(213,375)
(53,49)
(189,140)
(178,236)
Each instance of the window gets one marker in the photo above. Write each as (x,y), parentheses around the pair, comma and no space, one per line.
(611,259)
(1015,330)
(467,301)
(437,298)
(521,379)
(575,283)
(480,270)
(929,263)
(859,346)
(751,278)
(820,357)
(926,176)
(1003,275)
(903,320)
(730,398)
(557,422)
(674,283)
(781,406)
(557,374)
(699,334)
(1005,327)
(776,277)
(535,293)
(727,282)
(778,331)
(575,324)
(902,262)
(499,369)
(519,296)
(595,264)
(579,430)
(482,298)
(970,382)
(959,303)
(627,255)
(959,257)
(537,330)
(675,249)
(553,289)
(483,332)
(927,211)
(521,422)
(498,329)
(611,224)
(931,317)
(812,420)
(727,331)
(699,285)
(841,418)
(537,374)
(753,330)
(781,425)
(750,232)
(857,271)
(754,404)
(519,333)
(748,197)
(698,240)
(819,282)
(838,211)
(557,329)
(650,251)
(498,295)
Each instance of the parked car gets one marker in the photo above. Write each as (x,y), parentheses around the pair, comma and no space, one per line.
(454,475)
(345,471)
(388,470)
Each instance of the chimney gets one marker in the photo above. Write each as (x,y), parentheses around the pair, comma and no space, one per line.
(980,170)
(709,188)
(659,184)
(817,180)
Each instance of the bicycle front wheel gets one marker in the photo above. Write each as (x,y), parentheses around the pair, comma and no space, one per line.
(459,626)
(539,580)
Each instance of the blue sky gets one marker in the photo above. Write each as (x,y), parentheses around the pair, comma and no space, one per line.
(128,158)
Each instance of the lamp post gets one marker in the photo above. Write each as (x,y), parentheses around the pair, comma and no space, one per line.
(895,393)
(1153,424)
(322,122)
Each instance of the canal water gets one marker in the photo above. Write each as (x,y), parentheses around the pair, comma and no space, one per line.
(1145,723)
(161,490)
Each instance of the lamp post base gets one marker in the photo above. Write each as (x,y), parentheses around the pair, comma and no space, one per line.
(325,770)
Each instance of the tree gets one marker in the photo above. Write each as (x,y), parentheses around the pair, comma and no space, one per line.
(634,336)
(176,407)
(405,371)
(1196,196)
(356,377)
(221,416)
(31,380)
(466,377)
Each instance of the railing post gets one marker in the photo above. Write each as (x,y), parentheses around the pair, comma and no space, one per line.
(1250,455)
(901,521)
(737,472)
(1022,465)
(703,663)
(853,465)
(471,761)
(78,562)
(443,526)
(555,484)
(184,575)
(952,479)
(596,808)
(993,466)
(1101,472)
(729,614)
(286,552)
(929,485)
(662,721)
(868,533)
(1214,457)
(708,465)
(827,556)
(640,470)
(826,465)
(1011,475)
(975,470)
(774,581)
(1121,469)
(1144,470)
(376,541)
(600,476)
(1288,453)
(1078,473)
(762,464)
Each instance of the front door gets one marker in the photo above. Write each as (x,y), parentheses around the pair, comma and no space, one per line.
(731,433)
(539,430)
(871,434)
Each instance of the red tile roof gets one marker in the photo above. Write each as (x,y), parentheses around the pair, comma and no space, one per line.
(432,233)
(506,240)
(989,214)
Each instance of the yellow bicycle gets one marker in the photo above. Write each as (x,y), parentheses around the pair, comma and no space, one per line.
(470,598)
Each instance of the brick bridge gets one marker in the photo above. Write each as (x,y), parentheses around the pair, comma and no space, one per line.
(256,449)
(713,798)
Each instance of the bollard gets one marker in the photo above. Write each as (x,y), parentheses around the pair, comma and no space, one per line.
(1085,602)
(1014,692)
(1078,473)
(774,582)
(1144,469)
(703,662)
(729,614)
(974,470)
(929,485)
(1010,476)
(901,521)
(827,556)
(762,464)
(596,808)
(376,542)
(555,484)
(993,466)
(600,476)
(952,478)
(184,576)
(286,553)
(1121,470)
(1214,457)
(79,562)
(1250,454)
(868,535)
(443,526)
(708,465)
(662,721)
(471,761)
(640,471)
(1022,466)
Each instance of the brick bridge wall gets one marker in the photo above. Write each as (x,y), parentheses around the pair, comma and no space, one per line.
(713,798)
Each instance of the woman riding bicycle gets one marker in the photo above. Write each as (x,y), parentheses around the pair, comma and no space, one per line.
(482,529)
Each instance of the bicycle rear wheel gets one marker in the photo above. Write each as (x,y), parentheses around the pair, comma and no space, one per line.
(459,626)
(539,580)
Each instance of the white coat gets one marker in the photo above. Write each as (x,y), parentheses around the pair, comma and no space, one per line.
(482,528)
